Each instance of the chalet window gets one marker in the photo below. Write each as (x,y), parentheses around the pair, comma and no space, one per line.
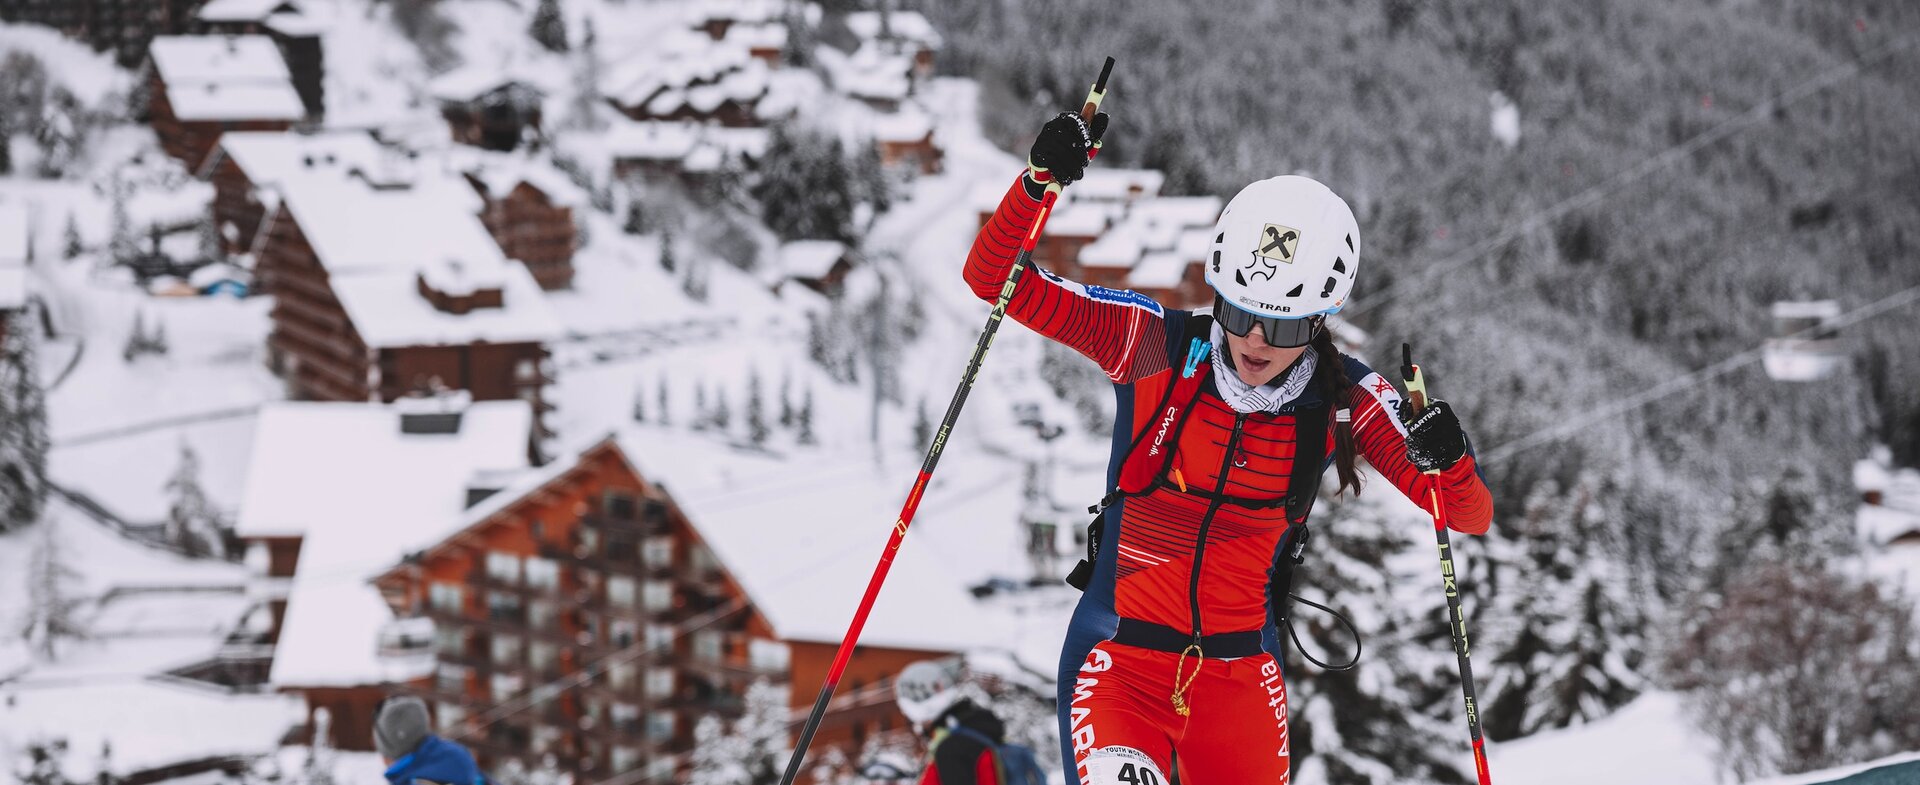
(620,506)
(626,717)
(545,739)
(538,530)
(507,685)
(703,561)
(589,540)
(769,656)
(660,725)
(451,678)
(659,684)
(447,597)
(708,646)
(660,638)
(624,633)
(657,553)
(543,573)
(451,715)
(657,596)
(525,370)
(624,759)
(620,591)
(506,649)
(543,657)
(504,606)
(621,676)
(503,567)
(621,550)
(450,641)
(541,614)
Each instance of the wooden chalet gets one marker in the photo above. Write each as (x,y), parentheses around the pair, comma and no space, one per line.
(906,141)
(486,108)
(203,86)
(247,168)
(820,265)
(385,293)
(530,217)
(297,35)
(336,490)
(907,33)
(592,561)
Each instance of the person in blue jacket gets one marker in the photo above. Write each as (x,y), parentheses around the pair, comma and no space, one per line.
(403,734)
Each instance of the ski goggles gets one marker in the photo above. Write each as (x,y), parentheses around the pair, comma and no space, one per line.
(1280,333)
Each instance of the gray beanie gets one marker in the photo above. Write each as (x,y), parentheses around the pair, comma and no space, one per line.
(399,726)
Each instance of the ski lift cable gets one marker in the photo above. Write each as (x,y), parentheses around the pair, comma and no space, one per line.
(1600,191)
(1900,299)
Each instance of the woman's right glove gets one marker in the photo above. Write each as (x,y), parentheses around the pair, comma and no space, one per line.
(1061,151)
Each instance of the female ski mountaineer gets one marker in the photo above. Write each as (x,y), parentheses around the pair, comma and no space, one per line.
(1170,654)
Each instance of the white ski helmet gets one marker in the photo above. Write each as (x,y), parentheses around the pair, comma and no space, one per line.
(925,689)
(1286,247)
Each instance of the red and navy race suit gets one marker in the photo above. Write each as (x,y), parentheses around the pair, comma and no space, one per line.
(1155,544)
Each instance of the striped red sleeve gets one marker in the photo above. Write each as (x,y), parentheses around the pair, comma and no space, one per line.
(1382,439)
(1123,331)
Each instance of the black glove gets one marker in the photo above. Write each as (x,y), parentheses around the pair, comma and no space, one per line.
(1061,151)
(1435,441)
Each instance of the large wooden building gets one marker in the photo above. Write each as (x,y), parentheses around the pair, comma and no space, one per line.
(384,289)
(203,86)
(529,212)
(623,618)
(338,491)
(297,35)
(692,78)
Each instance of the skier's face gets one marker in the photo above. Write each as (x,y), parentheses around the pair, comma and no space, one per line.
(1254,361)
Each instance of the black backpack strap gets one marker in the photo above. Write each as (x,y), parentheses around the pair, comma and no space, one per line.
(1309,461)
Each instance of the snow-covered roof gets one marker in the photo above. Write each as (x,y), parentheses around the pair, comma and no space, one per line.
(771,35)
(245,10)
(217,58)
(810,259)
(272,157)
(91,76)
(676,62)
(296,25)
(362,494)
(500,173)
(1115,185)
(388,311)
(1079,219)
(651,140)
(1119,247)
(1159,270)
(356,229)
(477,79)
(903,25)
(804,554)
(868,72)
(907,125)
(1809,309)
(231,77)
(1178,211)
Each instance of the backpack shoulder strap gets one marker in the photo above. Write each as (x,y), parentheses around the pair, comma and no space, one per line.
(1309,461)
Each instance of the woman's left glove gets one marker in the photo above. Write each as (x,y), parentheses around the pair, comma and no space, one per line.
(1435,441)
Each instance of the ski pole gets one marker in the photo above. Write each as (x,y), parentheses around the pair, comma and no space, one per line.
(1417,396)
(900,524)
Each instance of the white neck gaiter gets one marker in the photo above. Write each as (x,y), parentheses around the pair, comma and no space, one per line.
(1247,399)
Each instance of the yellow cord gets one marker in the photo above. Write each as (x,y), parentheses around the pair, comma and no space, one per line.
(1179,688)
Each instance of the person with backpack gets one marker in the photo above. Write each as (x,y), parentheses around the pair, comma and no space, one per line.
(966,742)
(1225,420)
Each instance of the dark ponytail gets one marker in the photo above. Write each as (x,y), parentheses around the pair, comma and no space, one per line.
(1333,383)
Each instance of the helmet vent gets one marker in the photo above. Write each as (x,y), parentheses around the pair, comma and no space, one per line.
(1339,265)
(1328,292)
(1216,261)
(1349,242)
(1295,292)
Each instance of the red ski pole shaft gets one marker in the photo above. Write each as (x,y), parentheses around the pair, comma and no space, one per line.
(1456,618)
(900,524)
